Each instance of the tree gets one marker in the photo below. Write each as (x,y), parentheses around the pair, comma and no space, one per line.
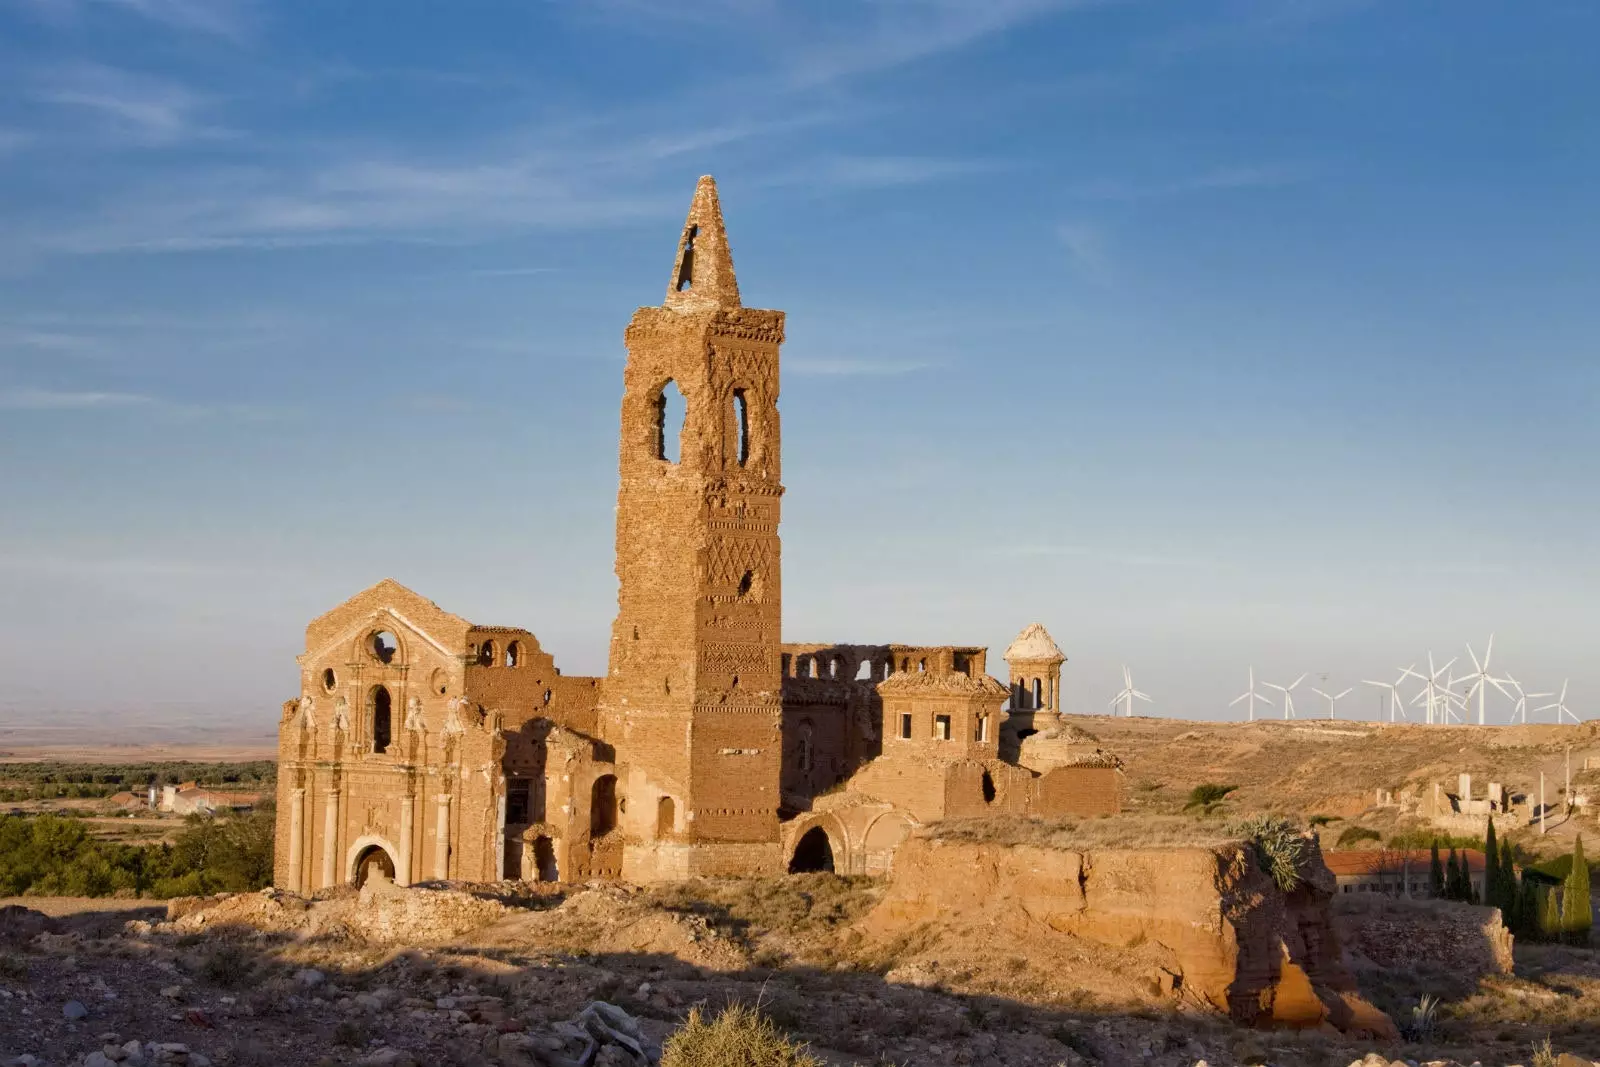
(1575,916)
(1549,917)
(1436,885)
(1508,883)
(1491,868)
(1526,921)
(1452,877)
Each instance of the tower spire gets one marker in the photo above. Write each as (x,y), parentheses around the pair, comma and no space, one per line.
(703,277)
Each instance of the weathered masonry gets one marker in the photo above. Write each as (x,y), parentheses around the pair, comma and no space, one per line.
(425,747)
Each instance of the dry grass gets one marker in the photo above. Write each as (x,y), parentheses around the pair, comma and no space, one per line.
(738,1037)
(1128,830)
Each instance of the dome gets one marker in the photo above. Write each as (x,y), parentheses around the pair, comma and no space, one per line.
(1033,645)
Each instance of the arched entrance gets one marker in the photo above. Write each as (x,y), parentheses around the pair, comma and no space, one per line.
(603,806)
(813,852)
(544,859)
(373,862)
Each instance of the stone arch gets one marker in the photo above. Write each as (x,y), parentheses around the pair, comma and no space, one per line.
(839,853)
(884,835)
(367,851)
(666,817)
(813,852)
(603,805)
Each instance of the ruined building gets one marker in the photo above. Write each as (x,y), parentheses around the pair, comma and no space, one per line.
(428,747)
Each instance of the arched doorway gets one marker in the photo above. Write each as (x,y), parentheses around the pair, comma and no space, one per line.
(544,860)
(813,852)
(603,806)
(374,862)
(666,817)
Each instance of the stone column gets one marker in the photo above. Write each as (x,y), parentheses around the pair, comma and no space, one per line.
(330,840)
(402,873)
(297,840)
(500,835)
(441,840)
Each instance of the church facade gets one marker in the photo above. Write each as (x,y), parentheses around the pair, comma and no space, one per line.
(426,747)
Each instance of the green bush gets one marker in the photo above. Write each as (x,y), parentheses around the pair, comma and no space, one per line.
(1354,835)
(48,855)
(1279,845)
(1208,796)
(737,1037)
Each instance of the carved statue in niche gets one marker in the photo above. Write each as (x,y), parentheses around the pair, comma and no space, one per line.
(306,714)
(341,716)
(414,713)
(452,717)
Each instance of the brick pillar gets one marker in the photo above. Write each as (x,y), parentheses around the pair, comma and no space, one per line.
(441,840)
(297,840)
(330,840)
(402,872)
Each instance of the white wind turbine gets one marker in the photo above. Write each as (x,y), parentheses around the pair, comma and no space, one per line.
(1393,687)
(1481,679)
(1288,694)
(1431,690)
(1332,699)
(1520,711)
(1250,696)
(1560,706)
(1129,694)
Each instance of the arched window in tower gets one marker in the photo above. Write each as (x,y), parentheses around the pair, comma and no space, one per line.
(382,719)
(513,654)
(672,411)
(686,261)
(1038,686)
(741,418)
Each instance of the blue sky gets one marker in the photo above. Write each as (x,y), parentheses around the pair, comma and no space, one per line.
(1210,333)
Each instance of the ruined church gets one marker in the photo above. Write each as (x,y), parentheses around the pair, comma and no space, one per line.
(427,747)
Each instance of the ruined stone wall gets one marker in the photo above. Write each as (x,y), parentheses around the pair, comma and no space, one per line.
(1079,791)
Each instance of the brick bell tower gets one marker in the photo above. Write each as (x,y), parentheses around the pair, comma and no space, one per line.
(692,701)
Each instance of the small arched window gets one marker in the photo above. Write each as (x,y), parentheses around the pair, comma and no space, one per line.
(383,645)
(666,817)
(382,719)
(1038,693)
(603,806)
(486,654)
(513,654)
(741,419)
(672,412)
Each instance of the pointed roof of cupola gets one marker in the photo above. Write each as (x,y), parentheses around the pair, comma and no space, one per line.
(1034,644)
(703,277)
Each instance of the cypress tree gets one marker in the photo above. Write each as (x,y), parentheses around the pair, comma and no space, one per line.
(1527,921)
(1491,868)
(1508,881)
(1549,917)
(1453,888)
(1436,873)
(1575,915)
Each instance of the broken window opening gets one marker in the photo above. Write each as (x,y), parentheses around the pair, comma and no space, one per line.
(1038,693)
(513,654)
(803,668)
(941,727)
(329,680)
(382,719)
(486,654)
(922,665)
(383,646)
(686,262)
(518,801)
(672,410)
(741,415)
(905,725)
(988,788)
(747,584)
(544,858)
(864,672)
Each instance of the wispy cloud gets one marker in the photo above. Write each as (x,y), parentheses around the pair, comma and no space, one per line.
(136,107)
(1219,179)
(1086,247)
(66,400)
(843,368)
(837,172)
(234,20)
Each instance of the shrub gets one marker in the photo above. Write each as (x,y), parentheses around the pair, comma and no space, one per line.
(1279,846)
(737,1037)
(1354,835)
(1208,796)
(1424,1020)
(1322,820)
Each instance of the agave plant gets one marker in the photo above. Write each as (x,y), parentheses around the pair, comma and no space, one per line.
(1279,845)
